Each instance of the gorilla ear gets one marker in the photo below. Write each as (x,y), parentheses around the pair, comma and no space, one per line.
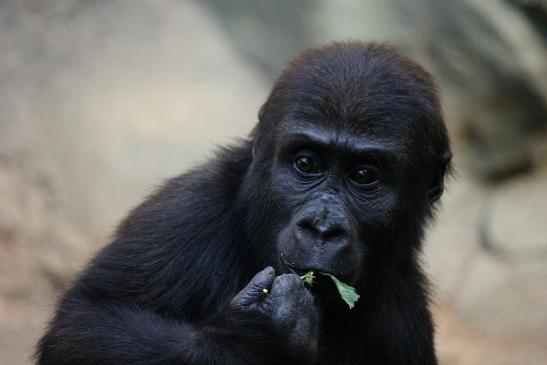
(437,185)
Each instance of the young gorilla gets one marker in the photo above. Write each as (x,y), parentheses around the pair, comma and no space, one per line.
(339,176)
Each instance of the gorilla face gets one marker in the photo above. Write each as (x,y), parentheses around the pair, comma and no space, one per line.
(340,189)
(355,155)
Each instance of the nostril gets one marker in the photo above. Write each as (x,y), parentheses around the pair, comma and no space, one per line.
(322,233)
(332,234)
(308,228)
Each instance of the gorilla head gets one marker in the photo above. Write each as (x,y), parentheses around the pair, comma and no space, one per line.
(350,153)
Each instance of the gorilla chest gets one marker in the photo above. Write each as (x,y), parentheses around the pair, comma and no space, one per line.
(338,347)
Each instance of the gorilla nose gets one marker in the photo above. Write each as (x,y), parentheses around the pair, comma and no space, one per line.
(323,233)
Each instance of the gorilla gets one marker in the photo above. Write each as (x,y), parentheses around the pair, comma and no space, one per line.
(340,176)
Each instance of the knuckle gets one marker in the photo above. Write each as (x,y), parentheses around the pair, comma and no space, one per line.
(291,280)
(281,283)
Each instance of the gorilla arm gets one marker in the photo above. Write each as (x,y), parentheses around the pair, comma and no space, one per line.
(87,333)
(152,298)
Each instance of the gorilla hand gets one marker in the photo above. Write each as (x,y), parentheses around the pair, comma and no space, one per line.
(284,306)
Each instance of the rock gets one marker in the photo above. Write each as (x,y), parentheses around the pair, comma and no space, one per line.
(100,102)
(495,291)
(488,56)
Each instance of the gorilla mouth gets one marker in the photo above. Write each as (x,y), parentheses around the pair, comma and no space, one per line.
(322,288)
(290,267)
(297,271)
(293,268)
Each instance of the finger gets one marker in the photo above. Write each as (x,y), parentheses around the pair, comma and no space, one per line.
(284,299)
(283,284)
(257,289)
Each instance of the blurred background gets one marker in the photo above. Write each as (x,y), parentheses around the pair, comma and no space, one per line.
(101,100)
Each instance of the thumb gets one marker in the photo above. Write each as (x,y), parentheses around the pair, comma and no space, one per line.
(254,291)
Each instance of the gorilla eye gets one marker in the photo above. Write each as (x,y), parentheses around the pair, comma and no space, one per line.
(365,175)
(307,164)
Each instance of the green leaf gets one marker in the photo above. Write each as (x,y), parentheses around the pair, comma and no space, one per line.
(308,277)
(347,292)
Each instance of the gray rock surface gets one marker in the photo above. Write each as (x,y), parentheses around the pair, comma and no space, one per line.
(99,102)
(487,254)
(488,56)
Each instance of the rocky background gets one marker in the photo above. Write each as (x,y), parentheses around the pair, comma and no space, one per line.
(101,100)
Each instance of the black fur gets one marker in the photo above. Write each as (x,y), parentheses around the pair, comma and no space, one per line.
(163,291)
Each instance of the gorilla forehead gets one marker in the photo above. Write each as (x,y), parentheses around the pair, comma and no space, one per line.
(364,88)
(345,75)
(340,137)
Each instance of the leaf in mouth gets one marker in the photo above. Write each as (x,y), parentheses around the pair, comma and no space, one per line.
(347,292)
(308,277)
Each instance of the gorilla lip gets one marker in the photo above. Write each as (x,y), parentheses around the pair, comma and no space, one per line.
(293,269)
